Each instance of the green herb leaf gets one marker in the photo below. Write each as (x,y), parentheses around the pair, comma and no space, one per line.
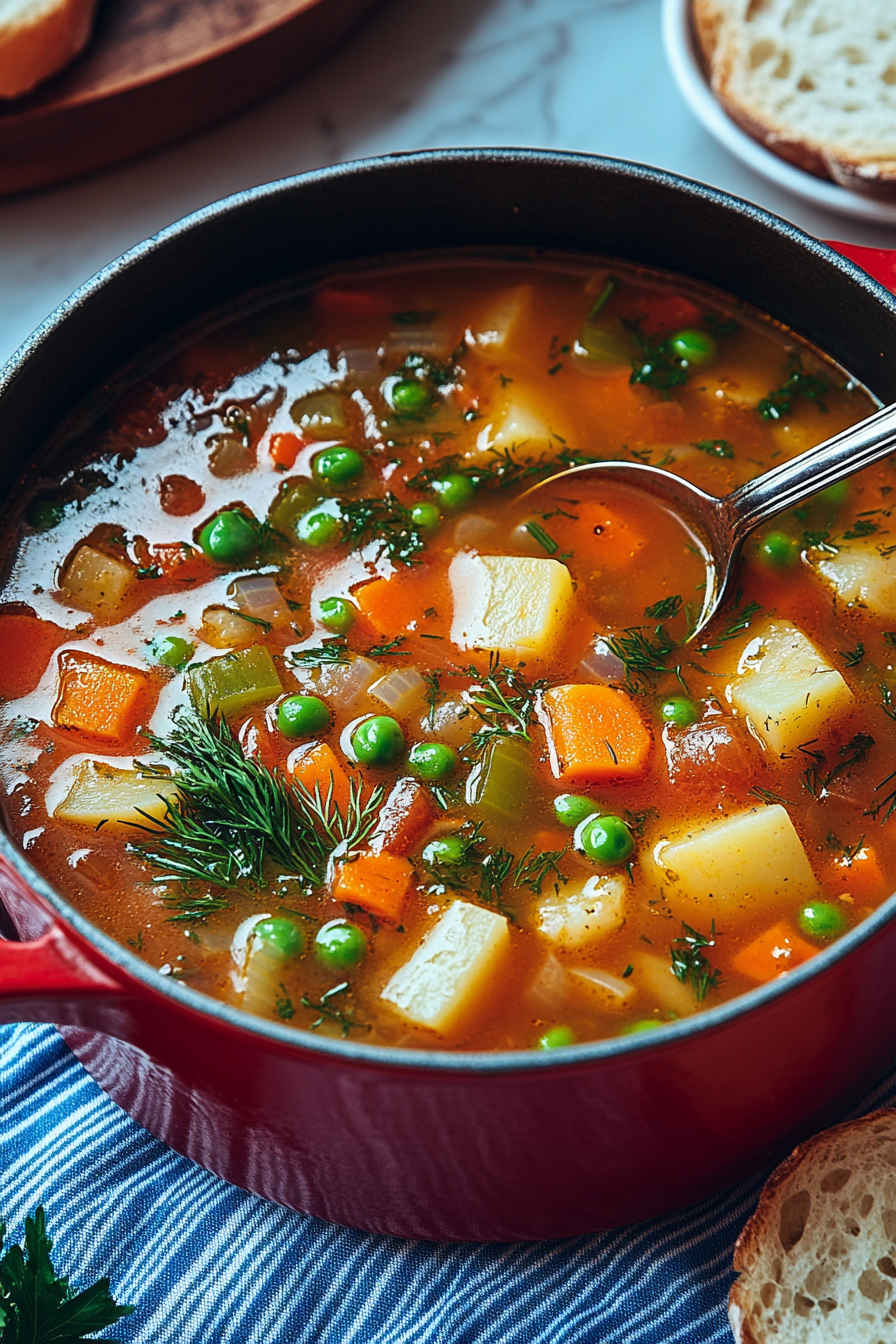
(779,402)
(715,447)
(505,701)
(852,657)
(689,962)
(544,539)
(386,521)
(333,650)
(666,608)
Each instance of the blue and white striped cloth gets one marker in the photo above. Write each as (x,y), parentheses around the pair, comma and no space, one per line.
(206,1263)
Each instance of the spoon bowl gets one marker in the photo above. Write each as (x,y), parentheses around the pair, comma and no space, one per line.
(720,526)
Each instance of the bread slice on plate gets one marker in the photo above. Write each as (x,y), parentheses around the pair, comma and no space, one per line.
(812,80)
(817,1260)
(38,38)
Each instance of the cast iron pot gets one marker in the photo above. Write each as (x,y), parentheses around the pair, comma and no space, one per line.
(450,1146)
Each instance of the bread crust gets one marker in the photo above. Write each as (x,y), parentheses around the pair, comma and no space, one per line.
(763,1237)
(720,27)
(39,40)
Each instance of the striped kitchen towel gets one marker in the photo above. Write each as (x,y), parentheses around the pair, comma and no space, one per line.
(206,1263)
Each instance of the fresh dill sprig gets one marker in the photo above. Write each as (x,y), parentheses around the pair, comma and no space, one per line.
(820,541)
(194,909)
(659,366)
(665,609)
(39,1306)
(768,795)
(283,1005)
(333,650)
(504,700)
(737,623)
(532,870)
(544,539)
(862,527)
(888,801)
(390,648)
(342,1016)
(643,657)
(779,401)
(504,469)
(231,817)
(852,657)
(689,962)
(603,298)
(433,693)
(715,447)
(385,520)
(815,779)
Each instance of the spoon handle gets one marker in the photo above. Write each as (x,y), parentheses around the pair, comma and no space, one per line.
(789,484)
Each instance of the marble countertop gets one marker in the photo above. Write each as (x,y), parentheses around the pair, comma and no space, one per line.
(570,74)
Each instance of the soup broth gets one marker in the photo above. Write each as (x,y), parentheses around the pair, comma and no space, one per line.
(309,703)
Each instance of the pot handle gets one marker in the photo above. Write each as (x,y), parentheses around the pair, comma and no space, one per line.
(879,262)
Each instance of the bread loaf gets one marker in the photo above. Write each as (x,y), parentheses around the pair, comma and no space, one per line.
(817,1260)
(38,38)
(813,80)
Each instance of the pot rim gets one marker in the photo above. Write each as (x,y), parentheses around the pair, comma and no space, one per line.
(673,1034)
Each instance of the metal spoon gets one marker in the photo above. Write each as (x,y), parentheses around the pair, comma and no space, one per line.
(722,525)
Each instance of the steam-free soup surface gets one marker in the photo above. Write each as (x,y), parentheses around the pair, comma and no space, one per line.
(312,706)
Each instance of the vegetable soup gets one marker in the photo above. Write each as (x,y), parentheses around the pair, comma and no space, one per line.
(313,706)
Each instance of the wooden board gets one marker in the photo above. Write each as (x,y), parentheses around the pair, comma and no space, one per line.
(157,70)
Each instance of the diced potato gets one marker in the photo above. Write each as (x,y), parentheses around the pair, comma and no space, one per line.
(517,428)
(728,868)
(103,700)
(225,629)
(516,604)
(862,577)
(498,327)
(786,688)
(654,977)
(101,792)
(235,681)
(455,965)
(583,913)
(96,582)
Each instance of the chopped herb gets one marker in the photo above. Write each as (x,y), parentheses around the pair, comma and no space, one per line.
(602,299)
(504,700)
(544,539)
(739,622)
(266,626)
(862,527)
(331,651)
(504,379)
(386,521)
(194,909)
(852,657)
(504,469)
(39,1306)
(715,447)
(555,368)
(659,366)
(664,609)
(888,801)
(136,943)
(850,852)
(689,963)
(343,1017)
(644,658)
(627,972)
(283,1005)
(390,647)
(851,753)
(21,727)
(779,402)
(148,572)
(433,692)
(820,541)
(769,795)
(636,821)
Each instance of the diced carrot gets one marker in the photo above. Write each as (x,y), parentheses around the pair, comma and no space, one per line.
(597,735)
(318,766)
(405,817)
(98,698)
(27,644)
(400,603)
(777,950)
(379,883)
(859,874)
(284,449)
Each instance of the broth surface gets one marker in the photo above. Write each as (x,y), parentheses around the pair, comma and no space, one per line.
(536,644)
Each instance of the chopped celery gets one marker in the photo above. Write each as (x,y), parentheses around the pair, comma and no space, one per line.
(502,781)
(228,684)
(294,498)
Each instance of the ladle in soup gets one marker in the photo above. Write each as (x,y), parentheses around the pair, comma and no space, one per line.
(722,525)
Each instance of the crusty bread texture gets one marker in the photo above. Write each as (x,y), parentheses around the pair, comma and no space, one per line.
(817,1260)
(813,80)
(38,38)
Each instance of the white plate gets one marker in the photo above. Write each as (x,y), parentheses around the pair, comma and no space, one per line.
(681,53)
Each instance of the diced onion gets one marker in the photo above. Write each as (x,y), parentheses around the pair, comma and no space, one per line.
(611,988)
(474,529)
(399,689)
(601,664)
(258,595)
(225,629)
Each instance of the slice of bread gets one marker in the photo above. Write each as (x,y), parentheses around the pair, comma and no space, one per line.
(812,80)
(817,1260)
(38,38)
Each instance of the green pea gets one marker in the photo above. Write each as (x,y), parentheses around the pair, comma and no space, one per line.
(454,490)
(432,760)
(318,527)
(336,614)
(340,945)
(44,514)
(171,650)
(281,937)
(337,466)
(229,538)
(447,851)
(679,711)
(410,396)
(693,346)
(778,550)
(834,496)
(302,715)
(634,1028)
(606,840)
(572,809)
(425,516)
(555,1037)
(378,741)
(822,920)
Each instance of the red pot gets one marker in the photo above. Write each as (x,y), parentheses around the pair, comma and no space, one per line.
(469,1147)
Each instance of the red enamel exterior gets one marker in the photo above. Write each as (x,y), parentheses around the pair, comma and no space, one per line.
(499,1147)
